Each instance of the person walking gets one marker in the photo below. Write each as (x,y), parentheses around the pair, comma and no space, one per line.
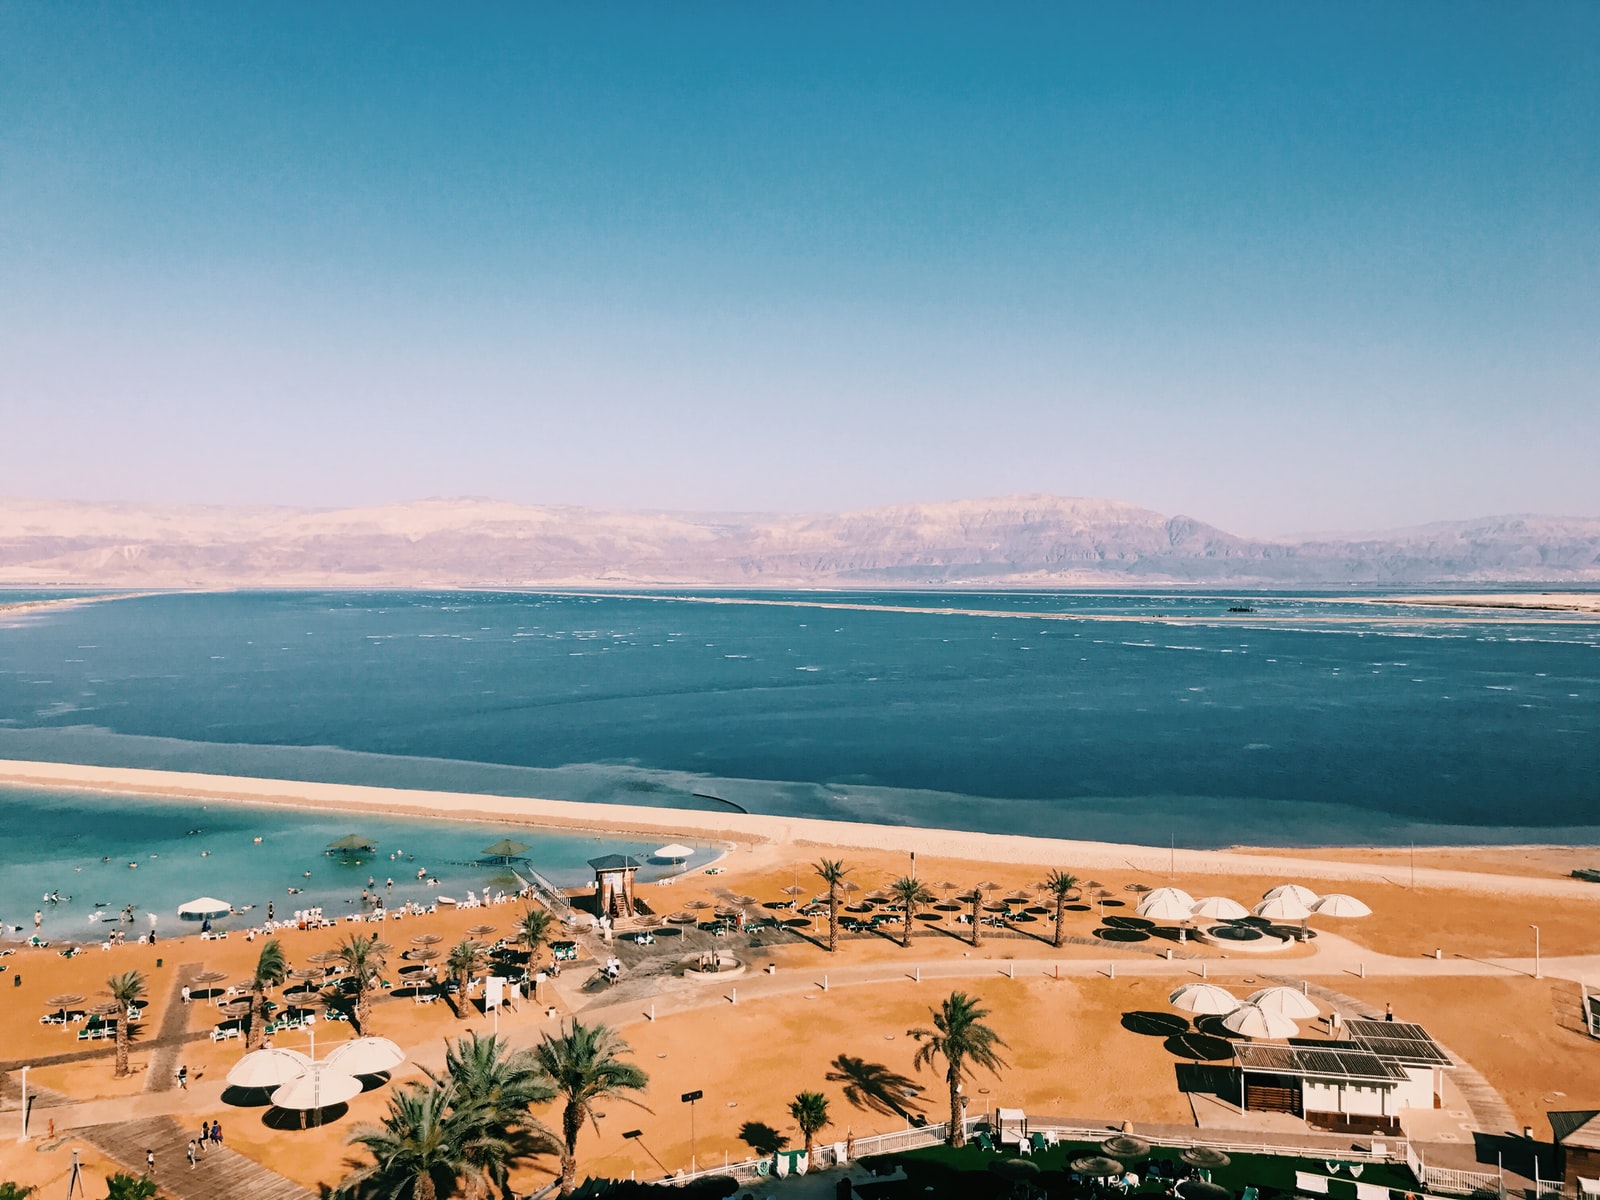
(183,1078)
(1388,1012)
(149,1162)
(216,1133)
(191,1154)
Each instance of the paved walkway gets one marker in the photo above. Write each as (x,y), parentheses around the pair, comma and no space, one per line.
(218,1174)
(162,1075)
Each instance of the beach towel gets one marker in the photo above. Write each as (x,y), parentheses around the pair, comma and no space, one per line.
(1316,1185)
(840,1154)
(1371,1191)
(780,1165)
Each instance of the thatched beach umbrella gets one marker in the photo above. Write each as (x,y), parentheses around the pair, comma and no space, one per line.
(1126,1147)
(107,1008)
(1202,1189)
(1205,1156)
(1097,1166)
(506,849)
(64,1001)
(698,905)
(681,918)
(427,939)
(427,954)
(480,930)
(352,843)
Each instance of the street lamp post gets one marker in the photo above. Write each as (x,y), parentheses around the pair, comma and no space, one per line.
(1538,970)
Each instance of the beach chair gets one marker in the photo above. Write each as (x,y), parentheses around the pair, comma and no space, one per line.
(985,1142)
(1038,1143)
(1250,1193)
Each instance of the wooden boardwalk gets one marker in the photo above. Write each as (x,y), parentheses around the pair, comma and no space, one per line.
(219,1173)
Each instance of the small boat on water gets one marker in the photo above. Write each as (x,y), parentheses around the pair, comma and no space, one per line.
(444,899)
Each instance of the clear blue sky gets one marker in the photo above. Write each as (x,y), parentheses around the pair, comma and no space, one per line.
(1278,266)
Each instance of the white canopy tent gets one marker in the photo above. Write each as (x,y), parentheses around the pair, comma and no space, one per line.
(1285,1002)
(675,852)
(1204,999)
(1166,904)
(1300,892)
(1282,908)
(1337,904)
(366,1056)
(268,1068)
(321,1086)
(1253,1021)
(205,906)
(1219,908)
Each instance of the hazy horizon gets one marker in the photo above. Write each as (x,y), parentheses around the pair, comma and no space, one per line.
(1284,270)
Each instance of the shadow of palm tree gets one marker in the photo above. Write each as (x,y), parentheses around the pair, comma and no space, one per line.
(762,1138)
(874,1087)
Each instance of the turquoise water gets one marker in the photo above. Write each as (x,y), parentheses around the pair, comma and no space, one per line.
(1311,721)
(100,853)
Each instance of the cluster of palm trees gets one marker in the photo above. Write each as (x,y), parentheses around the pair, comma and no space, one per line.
(465,1129)
(912,893)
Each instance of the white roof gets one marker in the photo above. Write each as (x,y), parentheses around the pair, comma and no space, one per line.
(1337,904)
(1299,891)
(1285,1001)
(1163,905)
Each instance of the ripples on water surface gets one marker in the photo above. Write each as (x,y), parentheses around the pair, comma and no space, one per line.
(1310,720)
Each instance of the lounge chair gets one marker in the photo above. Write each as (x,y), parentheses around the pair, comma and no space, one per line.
(1036,1140)
(1250,1193)
(985,1142)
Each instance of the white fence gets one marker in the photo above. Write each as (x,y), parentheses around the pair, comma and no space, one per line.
(1452,1182)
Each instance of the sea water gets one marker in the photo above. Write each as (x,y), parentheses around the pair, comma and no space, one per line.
(1146,716)
(80,860)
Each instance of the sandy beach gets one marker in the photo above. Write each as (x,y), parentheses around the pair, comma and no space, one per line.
(1451,951)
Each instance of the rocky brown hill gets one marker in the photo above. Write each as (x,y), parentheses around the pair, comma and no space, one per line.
(1036,540)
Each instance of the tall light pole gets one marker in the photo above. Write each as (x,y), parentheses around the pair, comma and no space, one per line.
(1538,971)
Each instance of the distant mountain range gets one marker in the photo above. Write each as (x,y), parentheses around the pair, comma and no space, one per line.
(1024,540)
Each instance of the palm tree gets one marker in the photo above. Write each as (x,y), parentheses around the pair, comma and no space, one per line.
(910,891)
(977,915)
(123,1186)
(533,928)
(126,989)
(271,970)
(466,958)
(810,1111)
(832,872)
(15,1191)
(493,1088)
(960,1037)
(1061,885)
(585,1064)
(363,958)
(416,1151)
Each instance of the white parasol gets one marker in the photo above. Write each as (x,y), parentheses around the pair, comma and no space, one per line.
(1166,904)
(1204,999)
(205,906)
(268,1068)
(675,852)
(1282,908)
(1219,908)
(321,1086)
(1253,1021)
(1285,1002)
(366,1056)
(1337,904)
(1301,893)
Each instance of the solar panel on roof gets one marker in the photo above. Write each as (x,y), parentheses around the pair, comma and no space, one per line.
(1398,1039)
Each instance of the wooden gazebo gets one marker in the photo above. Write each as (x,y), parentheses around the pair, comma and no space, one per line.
(613,876)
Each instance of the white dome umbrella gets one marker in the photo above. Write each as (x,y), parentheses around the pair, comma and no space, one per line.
(674,852)
(366,1056)
(205,906)
(1301,893)
(1282,908)
(1285,1002)
(1337,904)
(268,1068)
(1204,999)
(322,1086)
(1219,908)
(1163,905)
(1253,1021)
